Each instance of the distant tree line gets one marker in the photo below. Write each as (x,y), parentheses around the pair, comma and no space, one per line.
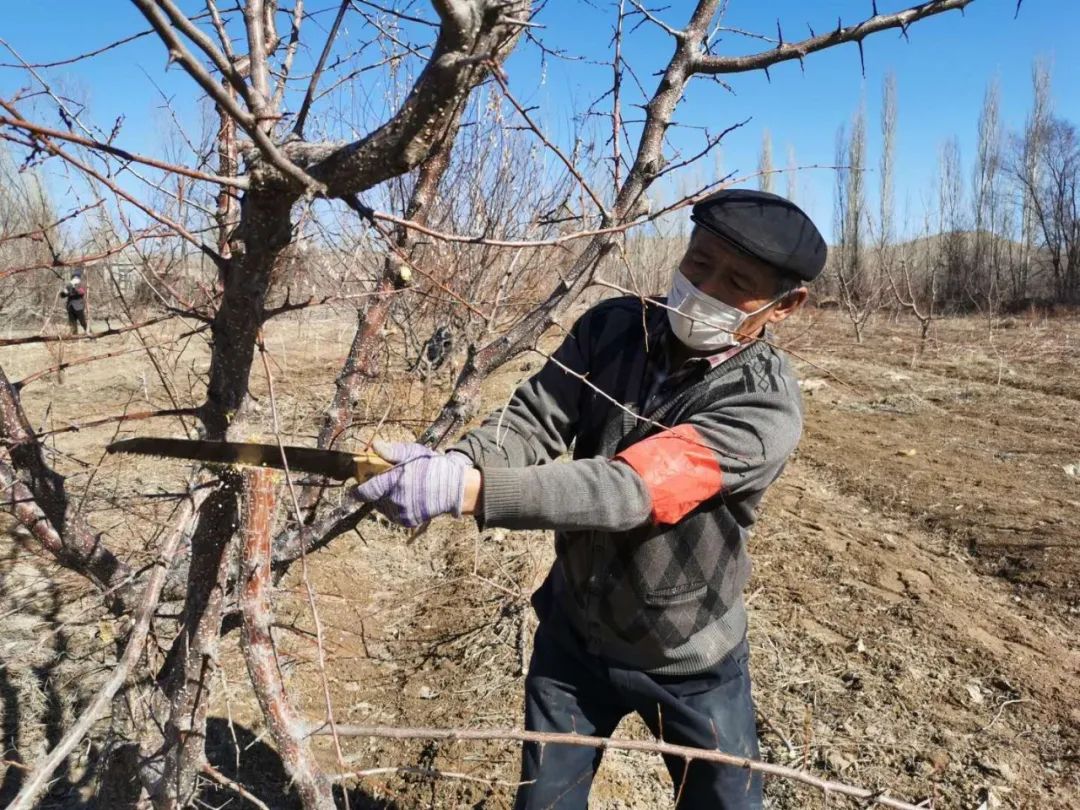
(1001,237)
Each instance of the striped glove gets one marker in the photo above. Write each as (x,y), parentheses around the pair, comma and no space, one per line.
(423,484)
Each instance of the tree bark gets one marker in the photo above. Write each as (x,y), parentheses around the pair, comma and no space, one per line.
(286,726)
(192,659)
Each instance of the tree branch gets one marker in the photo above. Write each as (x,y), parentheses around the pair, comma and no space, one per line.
(532,125)
(473,38)
(219,27)
(290,54)
(119,330)
(370,319)
(179,53)
(123,154)
(255,22)
(309,95)
(41,502)
(226,67)
(193,657)
(683,752)
(179,229)
(38,781)
(713,65)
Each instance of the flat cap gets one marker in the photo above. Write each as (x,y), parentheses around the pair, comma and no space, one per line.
(765,226)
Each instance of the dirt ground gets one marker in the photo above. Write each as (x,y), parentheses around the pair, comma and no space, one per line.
(913,607)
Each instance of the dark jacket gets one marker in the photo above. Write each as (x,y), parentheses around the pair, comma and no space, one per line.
(76,296)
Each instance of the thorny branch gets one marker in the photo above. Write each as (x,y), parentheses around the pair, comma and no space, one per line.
(783,52)
(686,753)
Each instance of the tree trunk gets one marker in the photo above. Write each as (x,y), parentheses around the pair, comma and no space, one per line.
(192,659)
(265,230)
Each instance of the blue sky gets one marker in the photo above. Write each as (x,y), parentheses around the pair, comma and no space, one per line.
(941,76)
(941,79)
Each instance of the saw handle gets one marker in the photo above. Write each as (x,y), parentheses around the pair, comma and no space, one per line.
(368,465)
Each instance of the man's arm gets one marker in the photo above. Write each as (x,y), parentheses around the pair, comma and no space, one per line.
(539,422)
(537,426)
(589,494)
(739,446)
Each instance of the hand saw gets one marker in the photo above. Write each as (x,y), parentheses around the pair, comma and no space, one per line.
(331,463)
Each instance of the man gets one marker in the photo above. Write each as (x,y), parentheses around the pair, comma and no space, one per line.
(680,416)
(75,293)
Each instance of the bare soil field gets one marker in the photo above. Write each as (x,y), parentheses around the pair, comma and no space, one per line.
(914,605)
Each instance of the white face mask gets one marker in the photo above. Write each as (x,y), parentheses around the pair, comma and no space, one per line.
(702,322)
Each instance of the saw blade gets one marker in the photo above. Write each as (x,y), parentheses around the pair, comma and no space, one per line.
(331,463)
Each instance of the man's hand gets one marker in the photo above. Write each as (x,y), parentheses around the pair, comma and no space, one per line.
(424,484)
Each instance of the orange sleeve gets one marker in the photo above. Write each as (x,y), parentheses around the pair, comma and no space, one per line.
(679,470)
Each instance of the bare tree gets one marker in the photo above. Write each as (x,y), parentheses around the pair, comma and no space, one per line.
(765,163)
(247,197)
(886,227)
(987,207)
(1026,168)
(31,238)
(913,280)
(856,277)
(1045,163)
(1054,190)
(952,225)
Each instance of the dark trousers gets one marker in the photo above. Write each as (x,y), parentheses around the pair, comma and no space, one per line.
(568,690)
(76,317)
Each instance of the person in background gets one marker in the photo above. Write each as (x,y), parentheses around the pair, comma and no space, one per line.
(74,293)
